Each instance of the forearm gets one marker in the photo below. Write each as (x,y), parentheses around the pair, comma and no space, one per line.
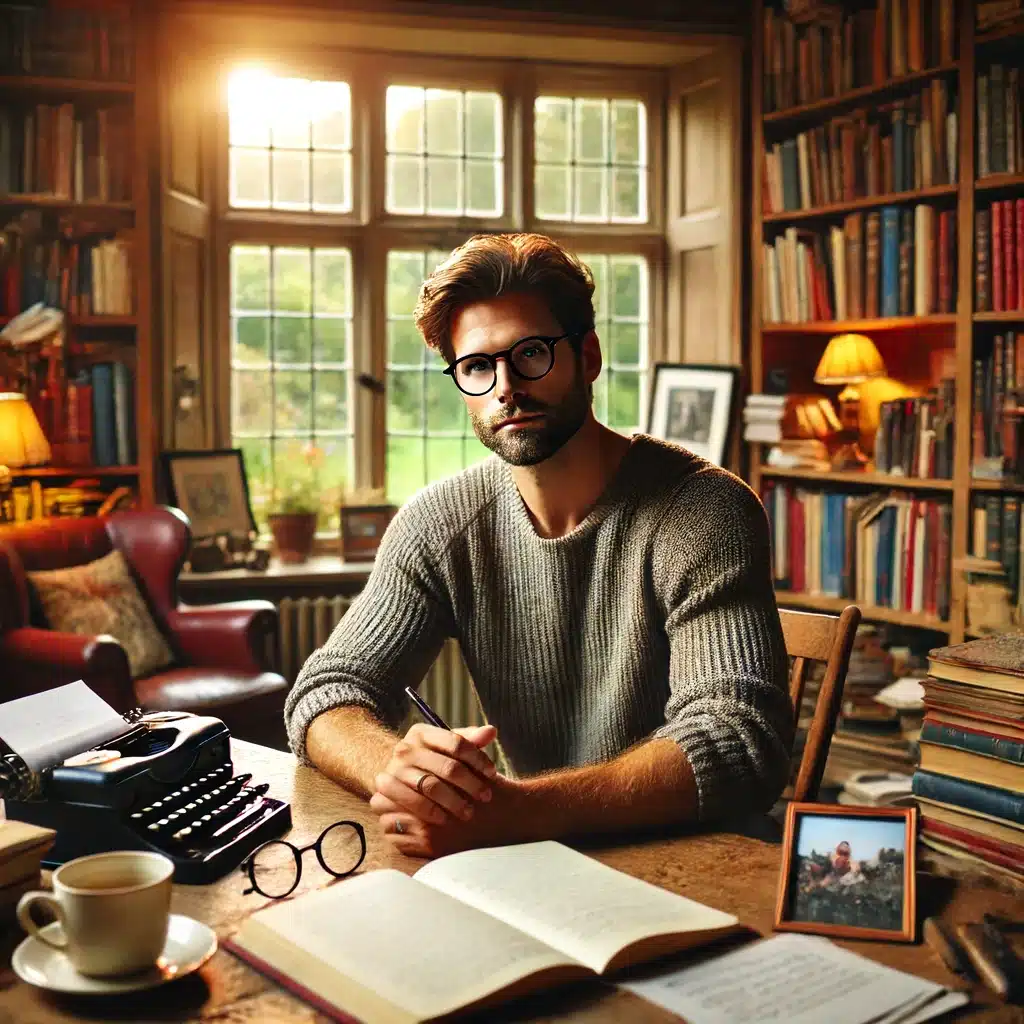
(350,746)
(649,785)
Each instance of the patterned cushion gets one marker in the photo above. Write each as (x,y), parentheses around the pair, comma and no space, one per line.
(101,597)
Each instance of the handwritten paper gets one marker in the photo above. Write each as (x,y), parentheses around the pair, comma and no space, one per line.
(45,728)
(797,979)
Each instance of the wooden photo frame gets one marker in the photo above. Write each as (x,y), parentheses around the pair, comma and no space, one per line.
(694,405)
(212,489)
(849,872)
(362,528)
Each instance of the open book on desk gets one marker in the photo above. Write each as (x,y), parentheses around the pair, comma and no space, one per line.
(466,931)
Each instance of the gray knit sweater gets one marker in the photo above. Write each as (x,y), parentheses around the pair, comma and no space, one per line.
(655,617)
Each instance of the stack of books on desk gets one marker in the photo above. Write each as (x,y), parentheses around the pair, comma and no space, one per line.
(22,848)
(970,783)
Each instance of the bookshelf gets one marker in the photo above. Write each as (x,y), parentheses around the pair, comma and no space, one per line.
(911,345)
(81,85)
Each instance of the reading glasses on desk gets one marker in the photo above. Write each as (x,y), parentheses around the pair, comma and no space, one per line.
(275,868)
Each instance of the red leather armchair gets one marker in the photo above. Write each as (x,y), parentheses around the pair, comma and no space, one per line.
(221,663)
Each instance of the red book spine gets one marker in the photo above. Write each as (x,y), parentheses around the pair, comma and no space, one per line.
(998,298)
(1020,253)
(945,282)
(1009,256)
(1007,854)
(908,584)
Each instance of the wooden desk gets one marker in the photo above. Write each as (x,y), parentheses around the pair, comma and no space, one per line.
(736,873)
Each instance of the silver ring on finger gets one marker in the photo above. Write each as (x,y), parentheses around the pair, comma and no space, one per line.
(399,827)
(419,785)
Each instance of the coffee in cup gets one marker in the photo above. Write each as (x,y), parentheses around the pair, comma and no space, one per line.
(113,910)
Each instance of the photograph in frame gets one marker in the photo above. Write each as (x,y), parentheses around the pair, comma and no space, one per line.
(211,488)
(849,872)
(693,406)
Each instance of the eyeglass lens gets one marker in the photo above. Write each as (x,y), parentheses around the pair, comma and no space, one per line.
(530,358)
(275,866)
(341,849)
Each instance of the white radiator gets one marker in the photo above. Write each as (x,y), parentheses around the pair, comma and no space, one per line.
(305,623)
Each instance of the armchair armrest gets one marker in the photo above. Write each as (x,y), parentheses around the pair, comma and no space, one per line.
(39,659)
(237,635)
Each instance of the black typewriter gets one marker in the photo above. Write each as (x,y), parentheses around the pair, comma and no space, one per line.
(167,784)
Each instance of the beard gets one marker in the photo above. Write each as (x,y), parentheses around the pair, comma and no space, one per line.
(537,441)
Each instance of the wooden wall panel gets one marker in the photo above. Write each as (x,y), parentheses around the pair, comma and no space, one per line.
(186,334)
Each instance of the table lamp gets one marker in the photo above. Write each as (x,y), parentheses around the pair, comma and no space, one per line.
(849,359)
(22,441)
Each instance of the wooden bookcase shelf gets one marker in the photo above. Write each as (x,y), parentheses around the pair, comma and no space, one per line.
(824,603)
(821,109)
(41,84)
(887,480)
(769,344)
(863,203)
(135,216)
(892,323)
(73,472)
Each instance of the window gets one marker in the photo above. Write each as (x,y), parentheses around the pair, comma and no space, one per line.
(444,151)
(290,143)
(591,159)
(291,324)
(403,167)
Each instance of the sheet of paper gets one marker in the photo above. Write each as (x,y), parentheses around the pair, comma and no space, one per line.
(906,694)
(797,979)
(45,728)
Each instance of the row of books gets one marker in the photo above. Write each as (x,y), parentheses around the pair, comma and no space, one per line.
(915,435)
(911,144)
(1000,145)
(997,381)
(92,414)
(970,781)
(68,152)
(85,496)
(65,41)
(893,262)
(883,549)
(866,47)
(769,419)
(999,255)
(82,278)
(997,534)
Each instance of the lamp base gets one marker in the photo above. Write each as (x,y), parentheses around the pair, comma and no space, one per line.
(848,457)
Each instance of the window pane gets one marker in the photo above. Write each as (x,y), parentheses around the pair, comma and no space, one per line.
(445,409)
(405,400)
(298,139)
(406,271)
(444,457)
(292,306)
(591,159)
(405,346)
(406,461)
(444,151)
(621,319)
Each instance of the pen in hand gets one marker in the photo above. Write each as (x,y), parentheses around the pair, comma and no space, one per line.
(426,710)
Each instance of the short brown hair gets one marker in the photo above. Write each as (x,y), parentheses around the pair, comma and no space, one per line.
(491,265)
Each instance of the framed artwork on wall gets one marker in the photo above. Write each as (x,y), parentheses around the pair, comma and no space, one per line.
(211,488)
(694,406)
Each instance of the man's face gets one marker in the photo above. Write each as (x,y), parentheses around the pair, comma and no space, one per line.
(524,421)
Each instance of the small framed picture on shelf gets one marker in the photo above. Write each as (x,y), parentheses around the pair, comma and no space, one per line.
(694,406)
(848,872)
(212,489)
(362,527)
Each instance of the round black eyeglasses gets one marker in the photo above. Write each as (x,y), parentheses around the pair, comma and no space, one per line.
(274,869)
(530,358)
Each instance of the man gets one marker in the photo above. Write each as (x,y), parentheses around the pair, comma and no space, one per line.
(612,597)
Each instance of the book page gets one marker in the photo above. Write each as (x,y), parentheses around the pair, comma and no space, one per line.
(400,942)
(569,901)
(795,979)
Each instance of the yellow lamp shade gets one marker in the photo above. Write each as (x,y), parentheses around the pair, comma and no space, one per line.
(22,442)
(848,359)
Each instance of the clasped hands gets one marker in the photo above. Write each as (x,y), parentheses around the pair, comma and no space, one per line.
(440,792)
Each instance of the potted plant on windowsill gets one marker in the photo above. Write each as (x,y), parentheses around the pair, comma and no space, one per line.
(296,505)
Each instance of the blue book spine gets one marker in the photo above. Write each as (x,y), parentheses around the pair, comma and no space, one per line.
(883,586)
(104,429)
(974,742)
(790,176)
(832,553)
(890,261)
(1000,803)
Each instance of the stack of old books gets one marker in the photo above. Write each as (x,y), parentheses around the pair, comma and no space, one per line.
(970,783)
(22,848)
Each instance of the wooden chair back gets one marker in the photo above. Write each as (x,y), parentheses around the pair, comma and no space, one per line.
(811,636)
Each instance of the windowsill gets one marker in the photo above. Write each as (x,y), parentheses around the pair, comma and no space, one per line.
(327,572)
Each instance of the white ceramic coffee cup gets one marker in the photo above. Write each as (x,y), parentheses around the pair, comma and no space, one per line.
(113,911)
